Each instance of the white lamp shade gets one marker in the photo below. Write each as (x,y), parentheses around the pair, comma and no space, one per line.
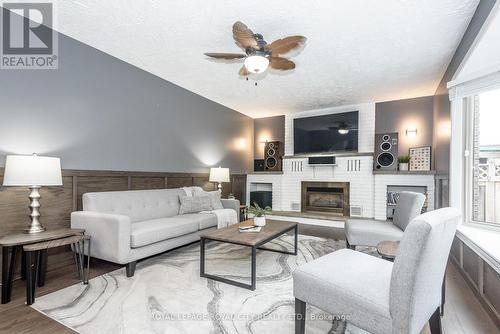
(32,170)
(219,174)
(256,64)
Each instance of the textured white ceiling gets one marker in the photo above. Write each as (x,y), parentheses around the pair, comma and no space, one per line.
(357,50)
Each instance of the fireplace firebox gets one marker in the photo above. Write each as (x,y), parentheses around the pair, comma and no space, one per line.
(326,197)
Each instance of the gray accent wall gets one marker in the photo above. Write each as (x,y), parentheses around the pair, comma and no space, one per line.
(442,105)
(397,116)
(98,112)
(270,129)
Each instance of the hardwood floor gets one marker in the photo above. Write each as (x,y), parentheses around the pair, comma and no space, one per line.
(463,313)
(17,317)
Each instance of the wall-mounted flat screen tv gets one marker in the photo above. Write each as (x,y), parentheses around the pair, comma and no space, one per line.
(326,133)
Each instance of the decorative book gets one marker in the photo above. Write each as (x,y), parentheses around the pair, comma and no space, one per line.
(250,229)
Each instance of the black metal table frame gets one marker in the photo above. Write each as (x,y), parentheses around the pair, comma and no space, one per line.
(254,248)
(34,260)
(38,263)
(9,257)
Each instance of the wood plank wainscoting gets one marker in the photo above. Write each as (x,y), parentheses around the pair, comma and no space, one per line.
(481,277)
(59,202)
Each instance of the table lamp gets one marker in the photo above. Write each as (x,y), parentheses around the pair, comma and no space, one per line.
(219,175)
(32,171)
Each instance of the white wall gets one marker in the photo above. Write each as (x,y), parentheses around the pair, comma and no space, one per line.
(484,56)
(98,112)
(366,125)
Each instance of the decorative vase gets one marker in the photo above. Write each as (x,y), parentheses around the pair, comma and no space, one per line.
(403,166)
(259,221)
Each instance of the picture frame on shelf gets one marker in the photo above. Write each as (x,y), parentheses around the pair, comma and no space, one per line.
(420,158)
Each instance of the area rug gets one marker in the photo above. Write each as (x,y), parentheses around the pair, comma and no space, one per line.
(167,295)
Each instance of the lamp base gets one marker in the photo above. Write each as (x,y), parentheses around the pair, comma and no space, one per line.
(35,226)
(34,229)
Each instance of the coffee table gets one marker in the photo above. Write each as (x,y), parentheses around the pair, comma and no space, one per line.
(254,240)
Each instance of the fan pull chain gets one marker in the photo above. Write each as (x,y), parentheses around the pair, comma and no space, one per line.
(247,80)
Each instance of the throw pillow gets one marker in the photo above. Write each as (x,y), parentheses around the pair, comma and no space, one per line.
(215,199)
(195,204)
(193,191)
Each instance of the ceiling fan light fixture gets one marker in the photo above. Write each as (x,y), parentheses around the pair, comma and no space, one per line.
(256,63)
(343,131)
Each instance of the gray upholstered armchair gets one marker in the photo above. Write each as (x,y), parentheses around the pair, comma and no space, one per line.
(369,232)
(377,295)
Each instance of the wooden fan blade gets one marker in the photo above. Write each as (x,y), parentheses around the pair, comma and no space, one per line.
(281,64)
(244,36)
(243,71)
(285,45)
(225,55)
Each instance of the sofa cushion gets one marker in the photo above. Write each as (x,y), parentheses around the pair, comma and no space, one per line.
(204,220)
(365,232)
(155,230)
(151,231)
(139,205)
(193,204)
(348,283)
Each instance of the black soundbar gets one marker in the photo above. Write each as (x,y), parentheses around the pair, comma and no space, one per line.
(322,161)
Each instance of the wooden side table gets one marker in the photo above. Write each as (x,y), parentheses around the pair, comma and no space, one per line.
(388,249)
(243,212)
(13,243)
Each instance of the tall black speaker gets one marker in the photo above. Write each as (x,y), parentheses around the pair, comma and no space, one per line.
(386,151)
(273,156)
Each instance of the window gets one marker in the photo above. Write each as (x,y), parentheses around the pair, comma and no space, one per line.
(484,166)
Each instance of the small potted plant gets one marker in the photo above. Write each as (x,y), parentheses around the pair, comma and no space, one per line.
(259,214)
(403,162)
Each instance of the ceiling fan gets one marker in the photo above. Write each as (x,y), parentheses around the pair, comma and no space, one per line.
(342,128)
(258,54)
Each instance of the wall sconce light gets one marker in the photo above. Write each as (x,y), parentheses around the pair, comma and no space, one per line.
(240,144)
(444,129)
(411,131)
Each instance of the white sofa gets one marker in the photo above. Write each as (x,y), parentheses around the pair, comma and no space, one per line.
(126,226)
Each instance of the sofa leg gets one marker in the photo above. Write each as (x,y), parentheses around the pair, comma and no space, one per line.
(435,322)
(131,268)
(300,316)
(348,245)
